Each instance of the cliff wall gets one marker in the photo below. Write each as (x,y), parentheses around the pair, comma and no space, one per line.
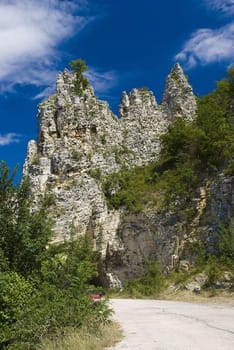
(80,141)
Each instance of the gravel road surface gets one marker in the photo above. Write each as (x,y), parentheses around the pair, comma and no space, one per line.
(171,325)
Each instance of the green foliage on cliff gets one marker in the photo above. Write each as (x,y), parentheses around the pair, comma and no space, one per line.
(129,188)
(216,120)
(191,152)
(81,82)
(43,289)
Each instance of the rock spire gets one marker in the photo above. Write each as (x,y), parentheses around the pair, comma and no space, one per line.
(80,141)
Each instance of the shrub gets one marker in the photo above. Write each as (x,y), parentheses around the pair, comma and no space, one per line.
(213,270)
(149,285)
(15,296)
(56,300)
(96,173)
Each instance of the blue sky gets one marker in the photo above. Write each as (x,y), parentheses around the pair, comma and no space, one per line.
(126,44)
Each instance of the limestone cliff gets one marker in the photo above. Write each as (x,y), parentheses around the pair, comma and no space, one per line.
(80,141)
(167,237)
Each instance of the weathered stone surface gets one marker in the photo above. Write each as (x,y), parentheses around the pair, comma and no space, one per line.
(80,141)
(219,209)
(143,238)
(198,283)
(178,99)
(226,281)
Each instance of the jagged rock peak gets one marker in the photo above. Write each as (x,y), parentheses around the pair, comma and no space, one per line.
(137,100)
(178,98)
(177,69)
(80,141)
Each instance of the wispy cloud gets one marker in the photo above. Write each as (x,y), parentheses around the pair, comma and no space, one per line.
(205,45)
(45,92)
(101,81)
(30,33)
(9,138)
(225,6)
(208,46)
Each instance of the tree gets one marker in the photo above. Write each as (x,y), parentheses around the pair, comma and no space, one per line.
(43,289)
(216,119)
(81,82)
(181,143)
(24,234)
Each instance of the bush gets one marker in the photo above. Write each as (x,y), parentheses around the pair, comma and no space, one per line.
(149,285)
(213,269)
(225,241)
(15,296)
(132,189)
(55,300)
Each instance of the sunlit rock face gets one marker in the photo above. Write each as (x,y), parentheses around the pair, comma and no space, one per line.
(178,98)
(80,141)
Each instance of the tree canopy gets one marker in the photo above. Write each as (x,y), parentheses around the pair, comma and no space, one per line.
(81,82)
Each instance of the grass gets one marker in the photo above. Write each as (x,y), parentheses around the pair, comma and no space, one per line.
(220,297)
(173,286)
(172,294)
(84,339)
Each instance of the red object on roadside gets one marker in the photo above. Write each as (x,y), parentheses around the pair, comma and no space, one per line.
(96,297)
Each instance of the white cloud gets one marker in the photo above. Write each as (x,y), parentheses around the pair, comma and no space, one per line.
(226,6)
(9,138)
(101,81)
(30,33)
(208,46)
(45,92)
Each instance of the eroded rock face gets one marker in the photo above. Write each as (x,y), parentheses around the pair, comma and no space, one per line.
(178,98)
(80,141)
(144,237)
(219,209)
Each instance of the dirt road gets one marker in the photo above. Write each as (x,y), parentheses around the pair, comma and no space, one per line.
(171,325)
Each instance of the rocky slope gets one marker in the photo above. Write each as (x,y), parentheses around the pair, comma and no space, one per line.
(80,141)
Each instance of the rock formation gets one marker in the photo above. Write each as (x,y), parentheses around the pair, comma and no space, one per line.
(80,141)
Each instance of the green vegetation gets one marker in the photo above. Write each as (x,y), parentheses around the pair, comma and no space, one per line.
(24,235)
(96,173)
(103,139)
(44,289)
(130,188)
(93,130)
(222,256)
(191,154)
(144,90)
(49,200)
(76,155)
(175,76)
(81,82)
(225,242)
(214,263)
(36,159)
(149,285)
(86,339)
